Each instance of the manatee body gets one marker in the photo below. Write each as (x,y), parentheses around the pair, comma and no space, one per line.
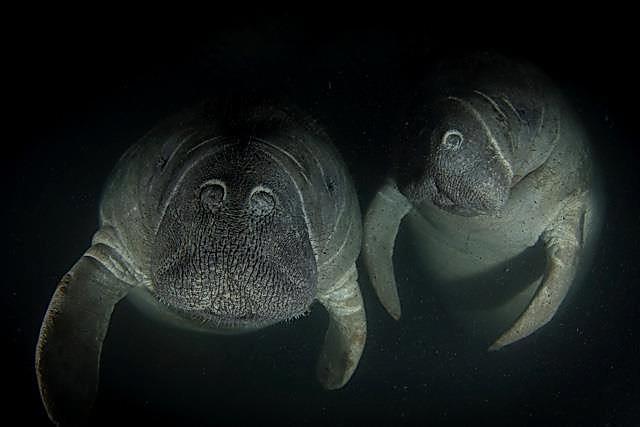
(496,181)
(222,225)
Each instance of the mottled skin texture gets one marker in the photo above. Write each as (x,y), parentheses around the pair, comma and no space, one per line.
(224,226)
(494,171)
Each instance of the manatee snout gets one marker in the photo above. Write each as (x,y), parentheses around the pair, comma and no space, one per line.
(466,194)
(252,274)
(237,251)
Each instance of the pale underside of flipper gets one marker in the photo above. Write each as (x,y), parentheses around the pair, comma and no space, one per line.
(564,241)
(381,225)
(347,332)
(71,337)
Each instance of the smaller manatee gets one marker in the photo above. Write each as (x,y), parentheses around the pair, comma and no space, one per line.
(215,223)
(494,167)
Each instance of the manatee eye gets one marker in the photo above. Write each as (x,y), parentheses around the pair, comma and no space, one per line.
(452,140)
(261,201)
(212,194)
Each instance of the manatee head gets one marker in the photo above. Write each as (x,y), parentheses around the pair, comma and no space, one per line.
(232,248)
(459,166)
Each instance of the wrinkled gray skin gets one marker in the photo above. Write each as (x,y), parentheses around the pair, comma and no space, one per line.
(494,168)
(219,227)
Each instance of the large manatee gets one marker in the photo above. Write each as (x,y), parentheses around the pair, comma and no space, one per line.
(219,224)
(493,173)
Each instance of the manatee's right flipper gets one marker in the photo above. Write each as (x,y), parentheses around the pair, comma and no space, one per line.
(70,342)
(565,241)
(347,331)
(380,229)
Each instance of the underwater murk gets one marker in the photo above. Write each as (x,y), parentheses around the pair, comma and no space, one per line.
(268,223)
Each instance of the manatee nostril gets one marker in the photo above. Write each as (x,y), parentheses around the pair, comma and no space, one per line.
(212,194)
(452,140)
(262,201)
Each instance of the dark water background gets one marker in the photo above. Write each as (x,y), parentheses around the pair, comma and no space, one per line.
(86,91)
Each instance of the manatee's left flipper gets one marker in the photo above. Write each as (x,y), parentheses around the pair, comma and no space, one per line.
(347,332)
(70,342)
(564,241)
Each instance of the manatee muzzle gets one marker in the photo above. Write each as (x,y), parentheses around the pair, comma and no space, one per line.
(465,196)
(228,271)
